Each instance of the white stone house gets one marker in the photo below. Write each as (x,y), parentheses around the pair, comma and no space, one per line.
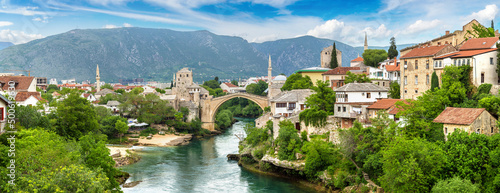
(289,102)
(4,103)
(352,100)
(89,96)
(28,98)
(113,105)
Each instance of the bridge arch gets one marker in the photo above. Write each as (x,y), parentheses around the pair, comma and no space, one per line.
(210,106)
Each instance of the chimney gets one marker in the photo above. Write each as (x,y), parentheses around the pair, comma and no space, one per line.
(447,32)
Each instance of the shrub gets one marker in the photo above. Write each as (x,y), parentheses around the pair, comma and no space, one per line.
(148,131)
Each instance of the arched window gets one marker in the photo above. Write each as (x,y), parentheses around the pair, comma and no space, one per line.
(478,131)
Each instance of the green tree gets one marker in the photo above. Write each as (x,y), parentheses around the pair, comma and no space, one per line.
(372,57)
(257,89)
(213,84)
(224,119)
(121,127)
(334,63)
(297,81)
(160,90)
(75,117)
(393,51)
(359,78)
(107,85)
(235,82)
(411,165)
(323,98)
(137,90)
(121,91)
(455,185)
(51,88)
(479,31)
(395,90)
(288,141)
(29,117)
(216,79)
(434,81)
(320,155)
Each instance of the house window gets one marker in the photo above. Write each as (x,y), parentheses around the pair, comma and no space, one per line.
(383,83)
(343,108)
(478,131)
(406,91)
(379,94)
(446,130)
(491,130)
(280,105)
(416,79)
(406,64)
(416,91)
(187,75)
(416,64)
(435,64)
(427,64)
(291,106)
(491,61)
(468,61)
(406,81)
(2,116)
(440,64)
(482,77)
(427,79)
(368,95)
(455,62)
(338,109)
(302,107)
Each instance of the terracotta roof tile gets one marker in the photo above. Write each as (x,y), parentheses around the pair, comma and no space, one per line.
(423,51)
(396,109)
(358,59)
(465,53)
(392,68)
(459,116)
(479,43)
(22,96)
(228,84)
(384,104)
(340,70)
(23,82)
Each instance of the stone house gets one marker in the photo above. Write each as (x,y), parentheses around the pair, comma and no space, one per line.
(113,106)
(89,96)
(470,120)
(336,77)
(387,105)
(21,84)
(231,88)
(417,69)
(4,103)
(29,98)
(353,99)
(480,54)
(291,102)
(326,57)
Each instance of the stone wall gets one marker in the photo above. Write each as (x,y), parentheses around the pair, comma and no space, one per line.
(194,110)
(326,57)
(262,120)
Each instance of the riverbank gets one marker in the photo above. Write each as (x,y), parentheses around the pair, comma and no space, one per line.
(165,140)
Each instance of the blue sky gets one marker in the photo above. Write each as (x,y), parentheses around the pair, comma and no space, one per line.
(410,21)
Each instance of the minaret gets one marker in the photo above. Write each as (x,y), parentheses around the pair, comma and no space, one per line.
(366,42)
(269,74)
(98,79)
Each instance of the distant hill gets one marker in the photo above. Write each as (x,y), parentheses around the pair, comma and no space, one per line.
(155,54)
(360,49)
(4,45)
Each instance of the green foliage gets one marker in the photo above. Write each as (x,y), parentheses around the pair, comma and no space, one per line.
(297,81)
(393,51)
(455,185)
(483,89)
(323,98)
(109,125)
(303,135)
(29,117)
(434,81)
(334,63)
(104,99)
(213,84)
(314,117)
(359,78)
(121,91)
(258,88)
(51,88)
(411,165)
(395,90)
(95,155)
(148,131)
(160,90)
(224,119)
(288,141)
(234,82)
(137,90)
(75,117)
(372,57)
(479,31)
(121,127)
(255,135)
(107,85)
(320,155)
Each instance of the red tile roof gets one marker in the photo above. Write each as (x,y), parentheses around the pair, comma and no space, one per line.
(465,53)
(479,43)
(22,96)
(340,70)
(23,82)
(423,51)
(459,116)
(384,104)
(228,84)
(358,59)
(392,68)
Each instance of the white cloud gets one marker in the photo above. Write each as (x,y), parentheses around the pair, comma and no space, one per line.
(108,2)
(338,30)
(127,25)
(420,26)
(484,16)
(5,23)
(110,26)
(43,19)
(26,11)
(393,4)
(17,37)
(272,3)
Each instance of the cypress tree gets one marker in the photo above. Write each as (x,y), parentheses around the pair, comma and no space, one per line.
(434,81)
(492,25)
(392,52)
(333,62)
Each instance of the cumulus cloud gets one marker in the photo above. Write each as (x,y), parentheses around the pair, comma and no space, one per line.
(340,31)
(420,26)
(43,19)
(5,23)
(484,16)
(17,37)
(110,26)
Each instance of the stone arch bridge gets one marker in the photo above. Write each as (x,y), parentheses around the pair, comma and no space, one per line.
(209,107)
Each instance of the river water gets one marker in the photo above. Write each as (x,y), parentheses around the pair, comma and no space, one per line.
(202,166)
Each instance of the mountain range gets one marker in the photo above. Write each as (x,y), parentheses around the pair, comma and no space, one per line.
(156,54)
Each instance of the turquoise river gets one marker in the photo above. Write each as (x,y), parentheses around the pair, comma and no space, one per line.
(202,166)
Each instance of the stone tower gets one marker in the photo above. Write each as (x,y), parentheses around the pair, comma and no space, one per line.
(269,73)
(366,42)
(98,79)
(326,57)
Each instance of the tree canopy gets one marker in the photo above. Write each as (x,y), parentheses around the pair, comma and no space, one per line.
(359,78)
(372,57)
(334,63)
(393,51)
(297,81)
